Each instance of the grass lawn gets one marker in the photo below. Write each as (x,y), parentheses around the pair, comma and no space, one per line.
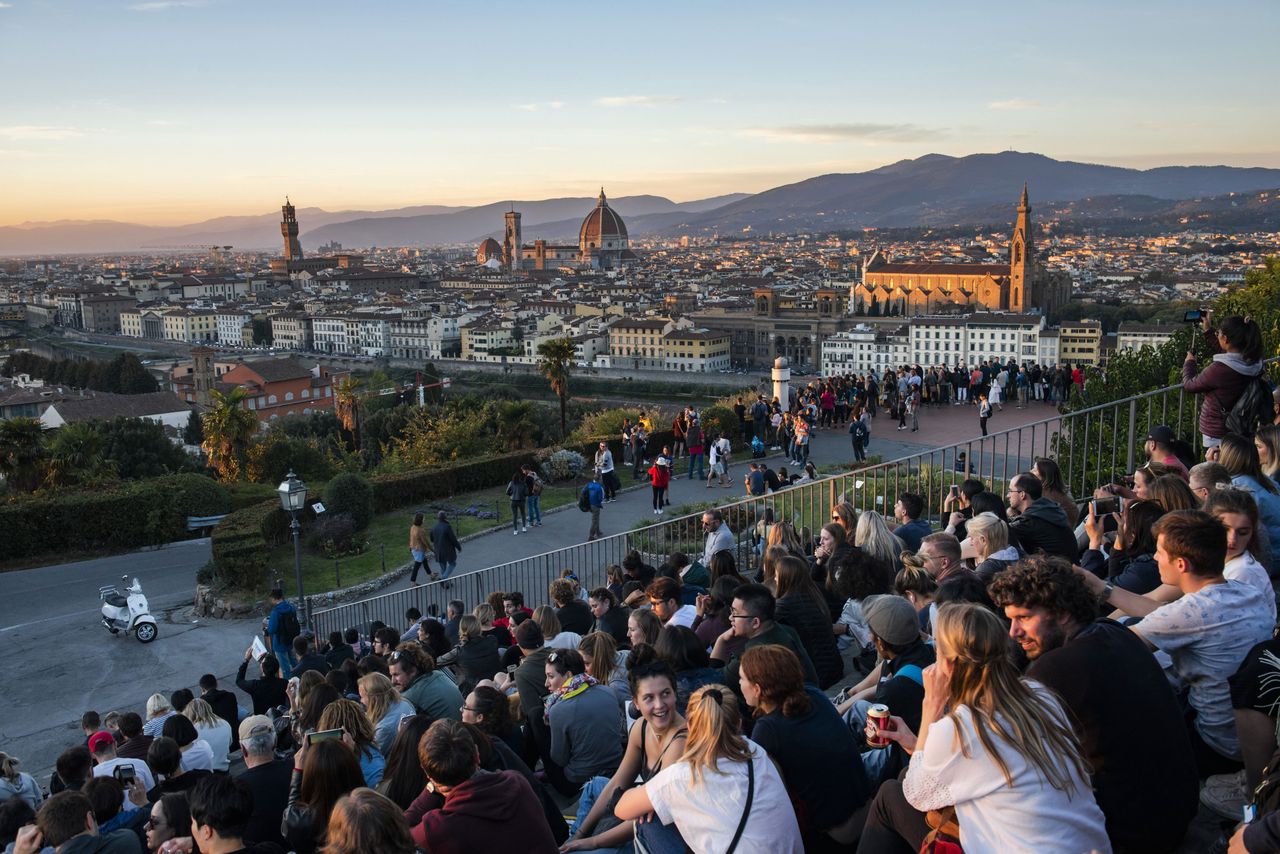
(391,530)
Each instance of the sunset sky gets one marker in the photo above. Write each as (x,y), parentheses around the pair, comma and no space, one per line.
(173,111)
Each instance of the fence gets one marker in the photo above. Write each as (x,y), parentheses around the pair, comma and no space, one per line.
(1092,446)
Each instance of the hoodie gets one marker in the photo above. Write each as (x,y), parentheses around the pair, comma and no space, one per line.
(115,842)
(490,807)
(996,562)
(1043,527)
(1221,383)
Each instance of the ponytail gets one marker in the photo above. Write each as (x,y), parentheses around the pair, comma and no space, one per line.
(1243,335)
(714,731)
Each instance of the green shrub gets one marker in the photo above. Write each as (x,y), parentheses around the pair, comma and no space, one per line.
(271,459)
(350,493)
(195,495)
(109,518)
(240,547)
(393,491)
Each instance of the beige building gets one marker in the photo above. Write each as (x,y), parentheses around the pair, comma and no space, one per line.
(482,338)
(1080,342)
(102,313)
(291,331)
(696,350)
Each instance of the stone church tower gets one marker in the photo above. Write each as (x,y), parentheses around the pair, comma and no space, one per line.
(1021,255)
(289,230)
(203,375)
(511,242)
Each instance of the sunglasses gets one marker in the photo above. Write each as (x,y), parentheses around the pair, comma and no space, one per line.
(395,657)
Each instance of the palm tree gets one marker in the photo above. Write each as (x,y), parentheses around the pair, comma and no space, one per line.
(557,357)
(228,428)
(75,456)
(21,441)
(346,405)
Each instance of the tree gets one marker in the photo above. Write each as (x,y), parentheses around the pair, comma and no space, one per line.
(133,377)
(139,448)
(228,428)
(346,405)
(556,359)
(75,456)
(21,441)
(193,434)
(514,424)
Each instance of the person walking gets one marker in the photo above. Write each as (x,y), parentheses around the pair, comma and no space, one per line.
(659,480)
(913,409)
(517,493)
(533,495)
(859,432)
(418,548)
(595,501)
(446,546)
(984,412)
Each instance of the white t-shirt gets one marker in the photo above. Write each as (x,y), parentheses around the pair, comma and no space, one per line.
(1247,570)
(1028,816)
(684,616)
(707,813)
(1206,635)
(140,770)
(218,737)
(565,640)
(198,756)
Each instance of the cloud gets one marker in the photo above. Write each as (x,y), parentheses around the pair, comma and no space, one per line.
(1014,104)
(636,100)
(869,132)
(6,5)
(534,106)
(165,5)
(38,132)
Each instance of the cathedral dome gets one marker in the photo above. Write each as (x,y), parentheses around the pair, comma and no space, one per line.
(488,250)
(603,229)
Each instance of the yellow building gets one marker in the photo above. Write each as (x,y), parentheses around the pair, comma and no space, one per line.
(697,350)
(639,344)
(1080,342)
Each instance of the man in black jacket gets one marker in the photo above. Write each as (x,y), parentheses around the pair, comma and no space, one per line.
(1040,524)
(445,544)
(268,692)
(222,702)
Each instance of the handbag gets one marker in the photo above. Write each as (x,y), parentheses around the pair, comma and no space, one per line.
(944,837)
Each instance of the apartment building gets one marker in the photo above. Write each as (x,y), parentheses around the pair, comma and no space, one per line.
(696,350)
(1135,336)
(291,331)
(1080,342)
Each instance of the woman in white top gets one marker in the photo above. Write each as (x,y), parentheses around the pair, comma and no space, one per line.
(725,794)
(556,636)
(214,730)
(996,747)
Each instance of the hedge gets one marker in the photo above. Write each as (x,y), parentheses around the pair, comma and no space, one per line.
(393,491)
(119,516)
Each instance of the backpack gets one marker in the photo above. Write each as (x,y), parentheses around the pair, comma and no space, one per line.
(859,430)
(1252,409)
(584,499)
(536,488)
(288,627)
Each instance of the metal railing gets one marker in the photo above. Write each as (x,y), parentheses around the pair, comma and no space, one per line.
(1092,446)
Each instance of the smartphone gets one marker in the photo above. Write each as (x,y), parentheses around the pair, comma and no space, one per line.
(1103,506)
(955,490)
(323,735)
(511,668)
(1194,316)
(125,774)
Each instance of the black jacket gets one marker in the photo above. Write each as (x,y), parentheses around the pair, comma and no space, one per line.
(267,694)
(224,706)
(575,617)
(445,542)
(814,629)
(1044,527)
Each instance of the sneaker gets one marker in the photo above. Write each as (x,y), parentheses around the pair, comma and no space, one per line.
(525,529)
(1225,795)
(515,533)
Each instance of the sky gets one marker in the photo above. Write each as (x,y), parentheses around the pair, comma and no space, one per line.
(175,111)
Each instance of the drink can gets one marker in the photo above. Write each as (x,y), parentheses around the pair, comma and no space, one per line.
(878,715)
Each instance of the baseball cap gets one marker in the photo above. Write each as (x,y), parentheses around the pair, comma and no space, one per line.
(892,618)
(100,738)
(255,724)
(1162,435)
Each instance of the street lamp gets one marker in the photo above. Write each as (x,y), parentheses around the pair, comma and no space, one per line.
(293,497)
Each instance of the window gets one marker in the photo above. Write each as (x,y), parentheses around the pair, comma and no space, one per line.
(288,395)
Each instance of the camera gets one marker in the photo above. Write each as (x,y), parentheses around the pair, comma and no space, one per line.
(1103,506)
(1194,316)
(125,774)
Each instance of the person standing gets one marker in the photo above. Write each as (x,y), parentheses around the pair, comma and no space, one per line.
(984,412)
(679,428)
(694,440)
(659,479)
(859,433)
(913,406)
(533,495)
(517,493)
(281,623)
(595,500)
(604,468)
(418,548)
(719,458)
(446,545)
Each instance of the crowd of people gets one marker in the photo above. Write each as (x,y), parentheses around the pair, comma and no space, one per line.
(1035,671)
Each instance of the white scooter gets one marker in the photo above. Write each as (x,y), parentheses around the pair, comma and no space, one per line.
(131,614)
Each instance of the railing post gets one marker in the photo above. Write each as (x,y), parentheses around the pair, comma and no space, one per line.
(1133,426)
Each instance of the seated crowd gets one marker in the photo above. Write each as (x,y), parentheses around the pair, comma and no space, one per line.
(1028,673)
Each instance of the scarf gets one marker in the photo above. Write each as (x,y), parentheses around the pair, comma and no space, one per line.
(575,686)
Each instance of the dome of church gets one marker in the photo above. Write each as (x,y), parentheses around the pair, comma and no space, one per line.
(602,229)
(488,250)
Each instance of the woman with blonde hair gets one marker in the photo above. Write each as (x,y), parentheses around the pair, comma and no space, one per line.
(996,747)
(724,794)
(556,636)
(365,821)
(784,534)
(485,614)
(874,537)
(384,707)
(989,535)
(1171,492)
(357,732)
(915,584)
(213,729)
(18,784)
(158,710)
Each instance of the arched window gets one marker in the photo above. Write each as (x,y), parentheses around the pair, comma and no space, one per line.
(306,393)
(288,395)
(271,399)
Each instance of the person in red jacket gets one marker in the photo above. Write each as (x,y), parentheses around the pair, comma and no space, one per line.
(464,809)
(1237,349)
(659,479)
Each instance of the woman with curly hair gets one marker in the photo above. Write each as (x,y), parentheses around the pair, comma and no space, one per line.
(856,576)
(996,747)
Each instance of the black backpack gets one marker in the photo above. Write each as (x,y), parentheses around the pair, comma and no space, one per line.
(288,627)
(1252,409)
(584,499)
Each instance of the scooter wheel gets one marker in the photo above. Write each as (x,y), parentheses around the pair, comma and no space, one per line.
(147,632)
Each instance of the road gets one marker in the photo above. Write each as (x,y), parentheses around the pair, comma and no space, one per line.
(60,661)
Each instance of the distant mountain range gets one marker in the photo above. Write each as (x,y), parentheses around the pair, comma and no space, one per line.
(934,190)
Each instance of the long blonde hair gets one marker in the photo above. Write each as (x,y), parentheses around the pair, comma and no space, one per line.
(9,767)
(468,628)
(715,731)
(783,533)
(380,694)
(993,529)
(972,640)
(547,620)
(199,711)
(874,537)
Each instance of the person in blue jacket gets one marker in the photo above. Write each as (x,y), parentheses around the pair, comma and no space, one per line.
(281,645)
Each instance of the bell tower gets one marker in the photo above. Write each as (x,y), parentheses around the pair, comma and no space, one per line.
(1021,252)
(511,242)
(289,230)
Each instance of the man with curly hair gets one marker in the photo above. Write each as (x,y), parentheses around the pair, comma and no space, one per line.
(1129,721)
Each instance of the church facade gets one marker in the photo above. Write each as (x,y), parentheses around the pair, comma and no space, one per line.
(914,289)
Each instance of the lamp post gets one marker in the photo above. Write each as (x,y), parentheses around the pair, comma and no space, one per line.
(293,497)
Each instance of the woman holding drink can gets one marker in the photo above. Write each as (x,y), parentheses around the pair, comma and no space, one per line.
(996,747)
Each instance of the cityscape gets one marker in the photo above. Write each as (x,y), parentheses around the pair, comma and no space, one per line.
(701,428)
